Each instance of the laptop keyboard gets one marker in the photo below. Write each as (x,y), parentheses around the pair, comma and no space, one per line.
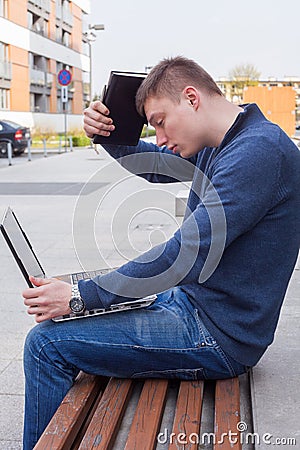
(87,275)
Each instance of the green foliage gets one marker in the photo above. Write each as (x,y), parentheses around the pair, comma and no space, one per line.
(80,141)
(147,132)
(79,138)
(53,138)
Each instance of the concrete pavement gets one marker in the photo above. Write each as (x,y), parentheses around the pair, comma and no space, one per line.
(45,194)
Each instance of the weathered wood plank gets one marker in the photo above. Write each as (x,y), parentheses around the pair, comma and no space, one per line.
(108,415)
(147,418)
(69,417)
(186,426)
(91,414)
(227,415)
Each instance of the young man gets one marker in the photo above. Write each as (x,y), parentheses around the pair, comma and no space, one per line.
(220,279)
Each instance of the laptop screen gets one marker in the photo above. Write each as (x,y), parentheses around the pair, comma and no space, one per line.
(20,246)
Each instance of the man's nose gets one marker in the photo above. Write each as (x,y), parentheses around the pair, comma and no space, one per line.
(161,138)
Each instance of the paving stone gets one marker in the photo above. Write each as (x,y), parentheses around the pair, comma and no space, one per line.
(11,417)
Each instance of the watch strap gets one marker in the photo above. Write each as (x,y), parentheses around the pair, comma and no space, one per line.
(75,291)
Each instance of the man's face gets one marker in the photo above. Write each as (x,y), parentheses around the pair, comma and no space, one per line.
(176,124)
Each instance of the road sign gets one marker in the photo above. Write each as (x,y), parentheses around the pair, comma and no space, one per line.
(64,77)
(64,94)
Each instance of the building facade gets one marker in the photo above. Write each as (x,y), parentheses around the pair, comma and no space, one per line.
(38,38)
(278,99)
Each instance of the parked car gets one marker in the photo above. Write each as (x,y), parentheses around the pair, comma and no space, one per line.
(14,133)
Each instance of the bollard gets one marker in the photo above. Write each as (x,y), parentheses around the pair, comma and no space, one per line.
(45,148)
(29,149)
(71,143)
(9,153)
(59,148)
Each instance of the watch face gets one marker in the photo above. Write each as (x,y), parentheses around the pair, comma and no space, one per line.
(76,305)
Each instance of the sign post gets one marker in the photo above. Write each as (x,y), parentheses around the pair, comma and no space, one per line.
(64,78)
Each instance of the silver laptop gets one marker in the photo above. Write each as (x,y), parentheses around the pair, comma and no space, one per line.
(29,264)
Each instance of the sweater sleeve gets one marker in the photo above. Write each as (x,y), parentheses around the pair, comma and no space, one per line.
(240,190)
(155,164)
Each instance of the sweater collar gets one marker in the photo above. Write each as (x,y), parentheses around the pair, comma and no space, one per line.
(246,118)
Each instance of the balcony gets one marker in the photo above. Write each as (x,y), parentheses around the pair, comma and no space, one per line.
(40,78)
(49,80)
(67,17)
(44,5)
(58,11)
(86,82)
(5,70)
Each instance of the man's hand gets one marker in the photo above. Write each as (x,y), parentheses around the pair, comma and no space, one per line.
(50,298)
(96,120)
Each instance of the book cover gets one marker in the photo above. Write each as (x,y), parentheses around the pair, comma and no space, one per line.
(119,97)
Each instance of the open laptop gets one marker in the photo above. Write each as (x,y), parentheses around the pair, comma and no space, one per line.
(29,264)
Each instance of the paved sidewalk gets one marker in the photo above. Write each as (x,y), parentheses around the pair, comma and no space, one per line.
(45,193)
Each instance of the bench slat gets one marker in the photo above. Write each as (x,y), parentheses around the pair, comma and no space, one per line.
(187,415)
(64,425)
(108,415)
(148,415)
(227,414)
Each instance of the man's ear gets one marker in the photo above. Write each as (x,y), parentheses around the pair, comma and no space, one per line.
(191,94)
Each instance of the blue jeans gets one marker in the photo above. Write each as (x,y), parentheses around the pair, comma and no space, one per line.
(164,340)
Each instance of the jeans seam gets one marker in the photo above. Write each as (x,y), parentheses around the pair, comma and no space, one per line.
(121,346)
(214,345)
(201,330)
(225,359)
(37,357)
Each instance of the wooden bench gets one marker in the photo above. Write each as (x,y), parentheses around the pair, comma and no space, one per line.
(101,413)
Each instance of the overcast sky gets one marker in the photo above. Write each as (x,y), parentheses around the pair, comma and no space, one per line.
(218,34)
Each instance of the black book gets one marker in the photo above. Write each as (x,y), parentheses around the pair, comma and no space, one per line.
(119,97)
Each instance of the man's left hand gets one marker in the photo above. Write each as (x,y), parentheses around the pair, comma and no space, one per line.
(50,298)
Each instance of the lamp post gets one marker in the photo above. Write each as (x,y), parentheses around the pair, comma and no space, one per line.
(91,37)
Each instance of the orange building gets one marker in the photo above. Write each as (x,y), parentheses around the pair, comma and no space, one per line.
(38,38)
(276,102)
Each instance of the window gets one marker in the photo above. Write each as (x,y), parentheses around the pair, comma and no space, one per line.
(39,103)
(66,6)
(59,66)
(58,36)
(3,8)
(45,28)
(32,102)
(3,52)
(5,65)
(4,98)
(37,23)
(66,38)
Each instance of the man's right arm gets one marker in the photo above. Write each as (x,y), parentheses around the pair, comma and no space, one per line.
(97,120)
(159,164)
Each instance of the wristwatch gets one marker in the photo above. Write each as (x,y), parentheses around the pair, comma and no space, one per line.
(76,303)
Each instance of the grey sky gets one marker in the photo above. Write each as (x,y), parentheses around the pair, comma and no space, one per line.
(217,34)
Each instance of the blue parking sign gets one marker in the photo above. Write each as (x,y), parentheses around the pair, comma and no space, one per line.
(64,77)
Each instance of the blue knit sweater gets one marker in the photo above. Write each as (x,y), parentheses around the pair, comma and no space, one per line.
(236,249)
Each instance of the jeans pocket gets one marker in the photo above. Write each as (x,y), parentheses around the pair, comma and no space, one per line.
(179,374)
(205,338)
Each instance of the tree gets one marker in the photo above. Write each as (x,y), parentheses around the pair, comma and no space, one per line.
(243,75)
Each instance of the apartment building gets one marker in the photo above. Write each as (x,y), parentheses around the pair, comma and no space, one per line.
(278,99)
(38,38)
